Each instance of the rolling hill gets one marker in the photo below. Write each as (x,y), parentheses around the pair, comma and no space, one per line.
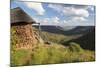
(83,35)
(87,41)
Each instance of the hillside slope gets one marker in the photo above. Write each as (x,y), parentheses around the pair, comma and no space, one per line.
(87,41)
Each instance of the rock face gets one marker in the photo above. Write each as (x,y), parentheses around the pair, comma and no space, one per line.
(26,36)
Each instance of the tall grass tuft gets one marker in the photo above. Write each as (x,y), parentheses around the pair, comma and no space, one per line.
(75,47)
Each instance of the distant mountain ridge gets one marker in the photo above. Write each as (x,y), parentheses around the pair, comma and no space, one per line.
(74,31)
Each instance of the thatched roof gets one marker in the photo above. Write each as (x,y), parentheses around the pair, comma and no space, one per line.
(19,16)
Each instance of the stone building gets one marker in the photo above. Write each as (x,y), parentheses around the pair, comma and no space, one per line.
(21,22)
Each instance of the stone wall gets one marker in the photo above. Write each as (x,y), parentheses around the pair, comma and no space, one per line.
(26,35)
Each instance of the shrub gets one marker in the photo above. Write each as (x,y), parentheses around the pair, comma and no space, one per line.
(75,47)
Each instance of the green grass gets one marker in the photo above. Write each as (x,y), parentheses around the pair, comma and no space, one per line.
(51,54)
(14,38)
(48,54)
(56,38)
(75,47)
(20,57)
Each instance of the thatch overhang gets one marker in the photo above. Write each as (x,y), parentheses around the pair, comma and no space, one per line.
(18,16)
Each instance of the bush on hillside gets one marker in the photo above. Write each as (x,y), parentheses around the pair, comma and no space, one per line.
(75,47)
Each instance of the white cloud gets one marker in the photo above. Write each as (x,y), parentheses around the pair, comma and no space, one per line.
(48,21)
(75,11)
(82,12)
(56,7)
(75,21)
(45,21)
(55,19)
(35,6)
(79,19)
(70,11)
(77,14)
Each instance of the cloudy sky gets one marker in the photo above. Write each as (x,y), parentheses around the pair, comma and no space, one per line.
(58,14)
